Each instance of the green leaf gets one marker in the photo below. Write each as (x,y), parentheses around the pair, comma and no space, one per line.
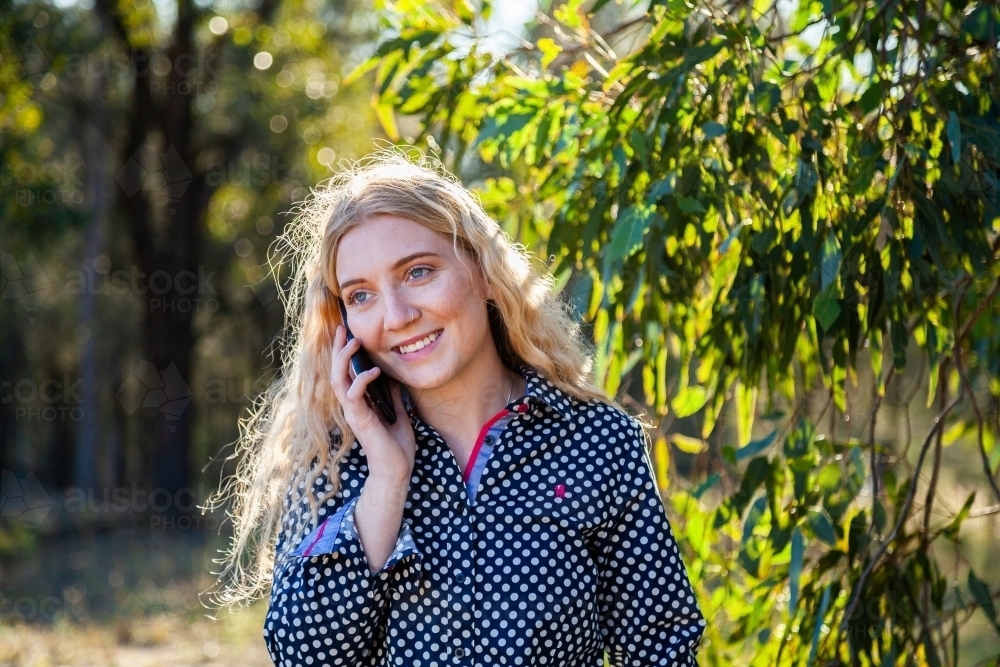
(954,137)
(981,593)
(734,234)
(830,258)
(703,52)
(689,401)
(757,446)
(729,454)
(503,125)
(818,620)
(756,473)
(465,11)
(746,403)
(630,230)
(713,130)
(954,433)
(360,71)
(821,526)
(953,528)
(871,98)
(700,490)
(826,308)
(795,571)
(550,50)
(753,518)
(766,96)
(387,119)
(857,535)
(570,14)
(687,444)
(689,205)
(661,188)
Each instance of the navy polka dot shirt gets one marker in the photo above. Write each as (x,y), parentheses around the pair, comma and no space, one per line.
(552,549)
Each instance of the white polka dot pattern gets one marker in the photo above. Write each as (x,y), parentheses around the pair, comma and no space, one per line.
(566,553)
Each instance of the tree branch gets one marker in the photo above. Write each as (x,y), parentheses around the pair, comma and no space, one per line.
(903,513)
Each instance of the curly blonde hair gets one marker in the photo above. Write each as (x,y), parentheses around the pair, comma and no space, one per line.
(285,442)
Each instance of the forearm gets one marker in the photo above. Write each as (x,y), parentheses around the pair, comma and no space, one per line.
(378,517)
(299,610)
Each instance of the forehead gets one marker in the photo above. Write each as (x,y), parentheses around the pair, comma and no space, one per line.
(379,242)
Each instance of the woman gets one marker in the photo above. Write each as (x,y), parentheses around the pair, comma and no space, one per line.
(507,516)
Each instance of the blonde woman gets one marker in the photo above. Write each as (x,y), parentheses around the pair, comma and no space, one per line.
(507,516)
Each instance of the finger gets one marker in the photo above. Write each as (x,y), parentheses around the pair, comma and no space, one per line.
(360,384)
(357,410)
(342,374)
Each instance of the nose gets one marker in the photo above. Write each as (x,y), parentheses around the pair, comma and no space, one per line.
(398,311)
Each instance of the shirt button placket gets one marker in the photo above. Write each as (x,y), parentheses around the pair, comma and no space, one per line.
(461,584)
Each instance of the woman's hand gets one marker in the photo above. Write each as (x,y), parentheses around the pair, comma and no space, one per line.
(390,450)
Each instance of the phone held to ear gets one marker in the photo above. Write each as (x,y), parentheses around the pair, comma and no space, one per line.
(377,392)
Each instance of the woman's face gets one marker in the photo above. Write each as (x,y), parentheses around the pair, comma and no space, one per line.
(403,286)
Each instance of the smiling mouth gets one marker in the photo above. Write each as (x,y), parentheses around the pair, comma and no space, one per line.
(420,344)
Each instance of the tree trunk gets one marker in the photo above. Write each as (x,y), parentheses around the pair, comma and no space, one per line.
(97,157)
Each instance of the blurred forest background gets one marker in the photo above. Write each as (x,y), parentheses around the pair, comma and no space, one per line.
(738,198)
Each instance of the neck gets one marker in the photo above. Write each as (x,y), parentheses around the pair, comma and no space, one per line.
(458,410)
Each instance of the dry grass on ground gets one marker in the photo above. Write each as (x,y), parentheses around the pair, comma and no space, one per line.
(154,642)
(126,597)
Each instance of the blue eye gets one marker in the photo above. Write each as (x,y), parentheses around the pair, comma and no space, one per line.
(353,299)
(419,268)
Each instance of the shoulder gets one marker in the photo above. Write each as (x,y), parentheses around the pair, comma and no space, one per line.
(590,416)
(607,432)
(605,422)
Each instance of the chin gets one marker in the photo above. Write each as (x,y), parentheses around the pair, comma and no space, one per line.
(430,376)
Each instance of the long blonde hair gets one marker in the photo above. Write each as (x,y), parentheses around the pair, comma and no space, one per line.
(285,443)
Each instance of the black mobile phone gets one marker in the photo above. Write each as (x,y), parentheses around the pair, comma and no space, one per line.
(377,392)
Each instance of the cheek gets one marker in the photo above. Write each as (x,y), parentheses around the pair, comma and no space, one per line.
(365,326)
(456,302)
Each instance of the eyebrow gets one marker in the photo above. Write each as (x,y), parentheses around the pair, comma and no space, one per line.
(400,262)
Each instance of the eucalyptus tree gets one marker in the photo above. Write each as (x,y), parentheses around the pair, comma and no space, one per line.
(190,128)
(765,200)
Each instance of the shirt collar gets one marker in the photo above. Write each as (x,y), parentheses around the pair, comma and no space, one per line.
(540,389)
(537,389)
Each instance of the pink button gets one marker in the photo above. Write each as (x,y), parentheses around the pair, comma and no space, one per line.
(560,491)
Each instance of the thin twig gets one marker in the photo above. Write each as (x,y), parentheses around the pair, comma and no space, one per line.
(904,511)
(986,511)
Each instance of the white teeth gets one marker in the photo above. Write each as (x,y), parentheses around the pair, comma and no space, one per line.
(419,345)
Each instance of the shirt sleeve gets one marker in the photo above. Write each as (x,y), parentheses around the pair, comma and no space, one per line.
(649,614)
(326,606)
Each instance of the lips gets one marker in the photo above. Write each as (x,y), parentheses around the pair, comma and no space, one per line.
(419,344)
